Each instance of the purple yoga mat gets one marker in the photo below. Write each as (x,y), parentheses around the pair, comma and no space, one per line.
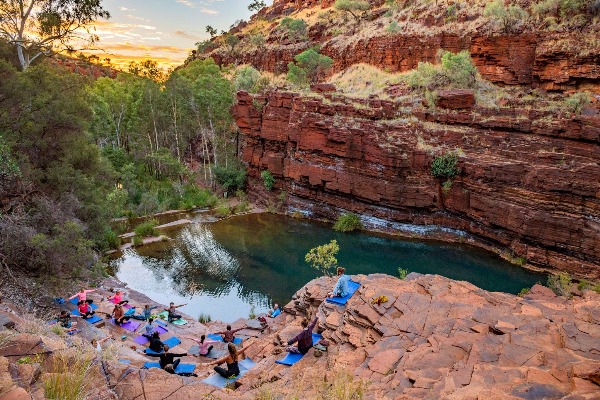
(142,340)
(130,325)
(126,305)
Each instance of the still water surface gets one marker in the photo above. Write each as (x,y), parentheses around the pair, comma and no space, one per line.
(226,268)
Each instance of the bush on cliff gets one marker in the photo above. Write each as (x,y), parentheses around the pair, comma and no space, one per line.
(310,66)
(560,283)
(295,29)
(268,179)
(146,229)
(322,258)
(445,166)
(348,223)
(455,71)
(577,101)
(356,8)
(505,18)
(231,177)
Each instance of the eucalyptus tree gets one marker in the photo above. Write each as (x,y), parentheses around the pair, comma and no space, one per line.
(38,27)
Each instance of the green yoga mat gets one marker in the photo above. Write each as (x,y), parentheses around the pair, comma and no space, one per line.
(165,315)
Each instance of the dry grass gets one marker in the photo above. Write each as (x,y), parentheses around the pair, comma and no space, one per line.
(34,326)
(364,80)
(71,374)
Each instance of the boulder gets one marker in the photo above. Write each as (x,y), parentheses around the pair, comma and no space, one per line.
(455,99)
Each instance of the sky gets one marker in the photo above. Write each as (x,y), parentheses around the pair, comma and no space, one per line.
(162,30)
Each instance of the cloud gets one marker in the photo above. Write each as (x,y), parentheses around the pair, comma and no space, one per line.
(203,10)
(186,35)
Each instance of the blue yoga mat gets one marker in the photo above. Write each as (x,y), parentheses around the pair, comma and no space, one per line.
(219,338)
(92,320)
(352,287)
(125,362)
(75,300)
(292,358)
(172,342)
(181,368)
(220,382)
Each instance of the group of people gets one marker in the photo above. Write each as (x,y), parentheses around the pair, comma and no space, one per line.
(301,343)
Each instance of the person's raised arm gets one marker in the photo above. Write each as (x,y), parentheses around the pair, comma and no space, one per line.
(140,328)
(243,349)
(89,290)
(217,362)
(181,305)
(193,339)
(295,338)
(153,355)
(238,329)
(72,297)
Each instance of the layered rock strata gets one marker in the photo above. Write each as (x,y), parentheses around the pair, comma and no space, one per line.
(529,182)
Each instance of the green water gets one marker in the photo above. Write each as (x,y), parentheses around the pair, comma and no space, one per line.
(229,267)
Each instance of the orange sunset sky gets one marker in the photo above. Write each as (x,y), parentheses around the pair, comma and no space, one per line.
(162,30)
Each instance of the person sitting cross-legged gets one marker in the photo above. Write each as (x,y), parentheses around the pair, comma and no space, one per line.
(168,358)
(85,310)
(231,360)
(304,338)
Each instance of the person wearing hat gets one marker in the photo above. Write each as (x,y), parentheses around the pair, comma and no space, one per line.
(341,287)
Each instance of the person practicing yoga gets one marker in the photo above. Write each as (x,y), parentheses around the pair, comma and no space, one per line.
(231,359)
(64,320)
(304,338)
(82,295)
(119,315)
(85,309)
(145,314)
(275,311)
(156,345)
(341,287)
(172,310)
(97,344)
(167,358)
(228,335)
(117,298)
(205,346)
(148,329)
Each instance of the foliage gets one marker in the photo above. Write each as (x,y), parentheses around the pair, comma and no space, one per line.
(445,166)
(211,31)
(232,177)
(446,186)
(146,229)
(39,27)
(402,273)
(268,179)
(508,18)
(204,318)
(523,292)
(252,313)
(455,71)
(356,8)
(560,283)
(322,258)
(583,284)
(70,377)
(223,210)
(342,387)
(577,101)
(565,11)
(309,67)
(393,27)
(347,223)
(295,28)
(250,79)
(257,40)
(147,69)
(231,41)
(256,5)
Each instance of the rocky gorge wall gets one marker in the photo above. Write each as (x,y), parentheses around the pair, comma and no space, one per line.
(530,180)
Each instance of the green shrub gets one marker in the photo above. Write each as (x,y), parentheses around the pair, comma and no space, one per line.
(402,273)
(506,18)
(393,27)
(194,196)
(322,258)
(446,186)
(111,239)
(445,166)
(560,283)
(524,292)
(295,28)
(583,284)
(231,178)
(308,68)
(204,318)
(242,207)
(455,71)
(223,210)
(257,40)
(356,8)
(146,229)
(348,223)
(250,79)
(577,101)
(566,10)
(231,41)
(70,377)
(268,179)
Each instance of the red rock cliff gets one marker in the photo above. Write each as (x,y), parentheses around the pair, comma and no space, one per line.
(530,180)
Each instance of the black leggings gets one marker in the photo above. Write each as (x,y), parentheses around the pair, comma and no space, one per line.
(122,320)
(227,373)
(87,314)
(173,317)
(175,364)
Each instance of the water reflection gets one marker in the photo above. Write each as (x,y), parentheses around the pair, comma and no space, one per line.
(226,268)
